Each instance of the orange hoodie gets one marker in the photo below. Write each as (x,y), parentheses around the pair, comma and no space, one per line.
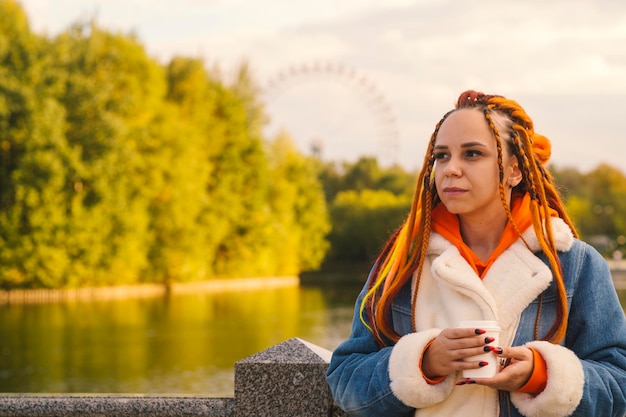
(447,225)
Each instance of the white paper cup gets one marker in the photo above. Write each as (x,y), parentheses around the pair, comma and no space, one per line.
(492,330)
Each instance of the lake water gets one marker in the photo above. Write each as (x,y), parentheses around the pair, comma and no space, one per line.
(183,343)
(180,344)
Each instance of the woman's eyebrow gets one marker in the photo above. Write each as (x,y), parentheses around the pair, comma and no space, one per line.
(463,145)
(472,144)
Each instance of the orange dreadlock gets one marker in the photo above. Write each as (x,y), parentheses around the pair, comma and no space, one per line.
(405,251)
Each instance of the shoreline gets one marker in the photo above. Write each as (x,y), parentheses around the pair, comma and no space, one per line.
(142,290)
(32,296)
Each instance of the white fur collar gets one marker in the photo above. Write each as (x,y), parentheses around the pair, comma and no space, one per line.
(562,235)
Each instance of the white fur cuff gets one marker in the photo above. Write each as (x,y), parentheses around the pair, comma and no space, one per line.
(564,390)
(407,380)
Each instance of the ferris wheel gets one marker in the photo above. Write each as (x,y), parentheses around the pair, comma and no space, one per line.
(361,91)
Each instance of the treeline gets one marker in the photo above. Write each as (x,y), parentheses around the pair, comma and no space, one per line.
(596,201)
(118,169)
(367,203)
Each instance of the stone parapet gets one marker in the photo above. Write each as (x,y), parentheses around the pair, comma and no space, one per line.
(88,405)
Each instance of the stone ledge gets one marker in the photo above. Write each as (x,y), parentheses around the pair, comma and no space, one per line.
(86,405)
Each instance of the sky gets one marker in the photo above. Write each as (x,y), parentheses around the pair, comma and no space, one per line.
(372,78)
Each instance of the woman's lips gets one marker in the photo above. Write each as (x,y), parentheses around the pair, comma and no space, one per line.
(453,191)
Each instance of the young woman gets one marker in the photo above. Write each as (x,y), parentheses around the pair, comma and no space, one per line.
(487,238)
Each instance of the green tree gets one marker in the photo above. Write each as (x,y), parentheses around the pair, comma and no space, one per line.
(595,201)
(234,212)
(301,221)
(363,221)
(36,160)
(605,191)
(112,96)
(569,180)
(398,181)
(178,173)
(238,192)
(367,202)
(331,177)
(364,174)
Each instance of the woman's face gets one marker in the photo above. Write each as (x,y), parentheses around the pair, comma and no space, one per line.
(466,166)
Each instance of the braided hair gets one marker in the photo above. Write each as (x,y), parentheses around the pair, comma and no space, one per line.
(404,253)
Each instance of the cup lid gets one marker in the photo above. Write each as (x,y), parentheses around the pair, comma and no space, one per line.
(481,324)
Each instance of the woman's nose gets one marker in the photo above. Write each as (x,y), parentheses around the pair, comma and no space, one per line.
(452,167)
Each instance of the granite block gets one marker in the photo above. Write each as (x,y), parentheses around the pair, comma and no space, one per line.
(288,379)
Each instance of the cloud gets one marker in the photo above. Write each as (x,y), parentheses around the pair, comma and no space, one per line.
(567,68)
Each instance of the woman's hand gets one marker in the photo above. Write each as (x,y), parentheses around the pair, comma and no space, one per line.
(515,374)
(447,352)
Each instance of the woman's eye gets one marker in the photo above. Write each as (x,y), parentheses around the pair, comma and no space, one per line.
(473,153)
(440,155)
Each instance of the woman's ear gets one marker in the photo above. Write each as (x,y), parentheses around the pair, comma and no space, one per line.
(515,173)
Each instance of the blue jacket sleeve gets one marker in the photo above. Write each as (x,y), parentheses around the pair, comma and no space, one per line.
(358,375)
(597,335)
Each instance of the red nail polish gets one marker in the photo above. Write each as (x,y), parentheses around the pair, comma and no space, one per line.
(483,363)
(465,381)
(479,331)
(489,339)
(496,350)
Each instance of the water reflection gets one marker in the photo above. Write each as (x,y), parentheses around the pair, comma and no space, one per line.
(186,343)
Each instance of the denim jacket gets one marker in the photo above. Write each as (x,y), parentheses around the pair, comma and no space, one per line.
(586,372)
